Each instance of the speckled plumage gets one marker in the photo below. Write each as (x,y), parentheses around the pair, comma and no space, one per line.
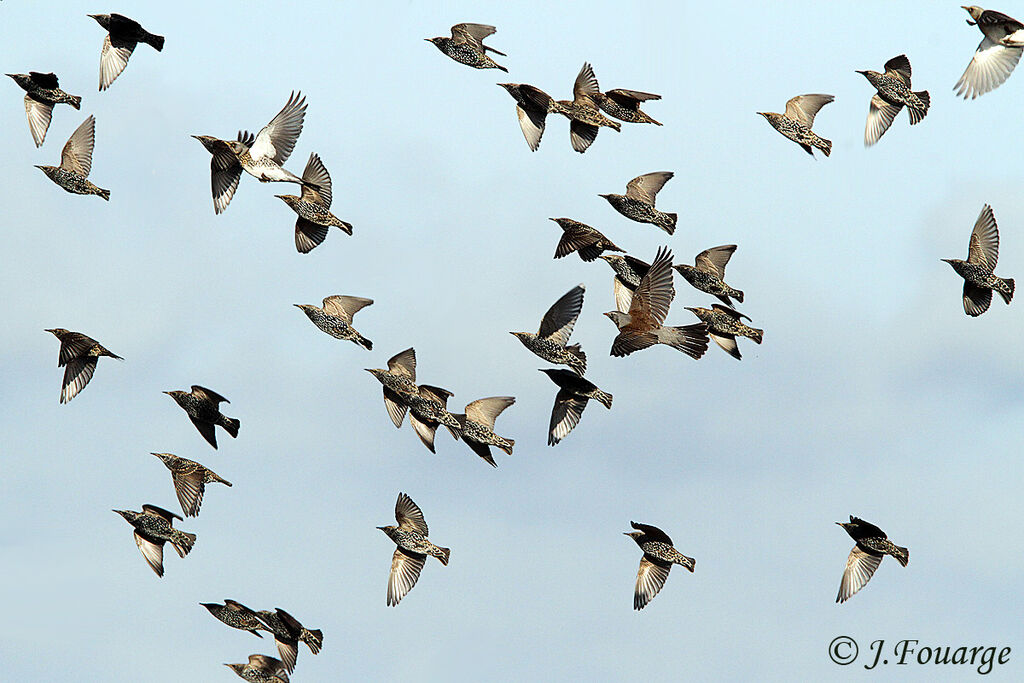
(978,270)
(78,356)
(190,479)
(76,162)
(708,273)
(313,207)
(659,556)
(123,35)
(588,242)
(796,123)
(625,105)
(335,317)
(42,92)
(724,325)
(410,535)
(638,202)
(201,406)
(551,342)
(399,379)
(532,108)
(261,669)
(236,615)
(872,545)
(466,46)
(288,633)
(573,394)
(153,527)
(585,118)
(477,425)
(893,93)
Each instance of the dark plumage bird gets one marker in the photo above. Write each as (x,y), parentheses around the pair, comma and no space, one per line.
(552,339)
(628,273)
(225,171)
(398,380)
(997,54)
(638,202)
(190,480)
(708,273)
(585,118)
(643,323)
(153,527)
(625,105)
(659,556)
(796,123)
(893,94)
(236,615)
(724,325)
(477,425)
(335,317)
(977,270)
(288,632)
(261,669)
(571,399)
(313,207)
(872,545)
(76,162)
(532,108)
(123,34)
(42,91)
(203,407)
(413,547)
(581,238)
(78,355)
(466,46)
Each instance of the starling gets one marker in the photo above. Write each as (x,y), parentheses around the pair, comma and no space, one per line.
(796,123)
(76,162)
(724,325)
(638,202)
(997,54)
(532,107)
(236,615)
(190,480)
(78,355)
(872,545)
(261,669)
(225,171)
(708,273)
(413,547)
(977,270)
(625,105)
(571,399)
(287,633)
(123,34)
(202,406)
(313,207)
(42,92)
(477,425)
(398,380)
(893,94)
(642,324)
(659,556)
(154,526)
(584,116)
(582,238)
(551,340)
(628,272)
(335,318)
(466,46)
(428,409)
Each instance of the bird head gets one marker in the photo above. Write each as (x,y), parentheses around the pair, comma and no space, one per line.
(611,259)
(21,79)
(510,87)
(50,171)
(306,308)
(953,262)
(435,41)
(561,221)
(237,668)
(127,514)
(177,395)
(209,142)
(635,535)
(166,457)
(57,332)
(619,318)
(521,336)
(289,200)
(389,530)
(974,11)
(101,19)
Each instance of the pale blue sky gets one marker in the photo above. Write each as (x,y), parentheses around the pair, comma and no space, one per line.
(873,394)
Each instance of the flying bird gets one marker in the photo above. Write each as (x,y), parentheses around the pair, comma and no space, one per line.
(42,92)
(190,480)
(477,426)
(625,105)
(236,615)
(585,118)
(413,547)
(977,270)
(288,632)
(261,669)
(628,273)
(573,394)
(203,407)
(123,34)
(153,527)
(638,202)
(335,317)
(76,162)
(581,238)
(466,46)
(399,379)
(532,108)
(997,54)
(796,123)
(552,339)
(426,404)
(313,207)
(872,545)
(708,273)
(657,561)
(724,325)
(893,94)
(78,355)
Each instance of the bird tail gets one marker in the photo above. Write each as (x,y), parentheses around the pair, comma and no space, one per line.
(614,125)
(657,123)
(670,225)
(824,145)
(508,448)
(75,101)
(1006,293)
(901,554)
(737,294)
(154,41)
(313,638)
(104,193)
(231,425)
(579,364)
(605,398)
(499,66)
(364,342)
(443,554)
(347,227)
(220,480)
(690,339)
(917,114)
(756,334)
(183,542)
(687,562)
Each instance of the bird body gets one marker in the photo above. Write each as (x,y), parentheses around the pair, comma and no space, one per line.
(190,479)
(997,54)
(573,394)
(236,615)
(796,123)
(153,527)
(313,207)
(477,426)
(872,545)
(413,545)
(638,202)
(335,317)
(427,410)
(42,92)
(123,35)
(76,162)
(656,563)
(399,379)
(585,118)
(708,273)
(551,342)
(466,46)
(78,356)
(724,325)
(261,669)
(977,271)
(532,108)
(625,105)
(893,93)
(288,633)
(588,242)
(202,407)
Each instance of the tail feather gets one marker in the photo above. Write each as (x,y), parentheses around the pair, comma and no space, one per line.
(508,448)
(231,425)
(581,365)
(756,334)
(605,398)
(105,194)
(314,638)
(365,343)
(690,339)
(347,227)
(183,543)
(76,101)
(1008,294)
(917,114)
(902,555)
(155,41)
(824,145)
(444,555)
(670,227)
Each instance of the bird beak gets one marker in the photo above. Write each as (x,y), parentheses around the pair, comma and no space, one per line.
(281,196)
(607,314)
(860,72)
(381,528)
(166,392)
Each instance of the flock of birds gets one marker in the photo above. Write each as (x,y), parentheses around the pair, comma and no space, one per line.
(643,295)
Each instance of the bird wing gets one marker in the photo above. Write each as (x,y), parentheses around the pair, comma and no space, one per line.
(395,406)
(976,299)
(483,450)
(308,235)
(623,296)
(76,375)
(289,651)
(206,429)
(425,431)
(77,153)
(72,345)
(167,515)
(802,108)
(317,174)
(629,340)
(653,297)
(47,80)
(153,551)
(565,415)
(345,307)
(867,529)
(649,580)
(646,187)
(586,87)
(984,248)
(652,533)
(409,515)
(729,311)
(531,122)
(991,65)
(39,114)
(899,67)
(189,488)
(405,571)
(225,172)
(630,99)
(270,665)
(581,135)
(113,59)
(486,410)
(727,342)
(860,566)
(204,394)
(435,393)
(559,320)
(277,139)
(404,363)
(880,117)
(473,34)
(714,260)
